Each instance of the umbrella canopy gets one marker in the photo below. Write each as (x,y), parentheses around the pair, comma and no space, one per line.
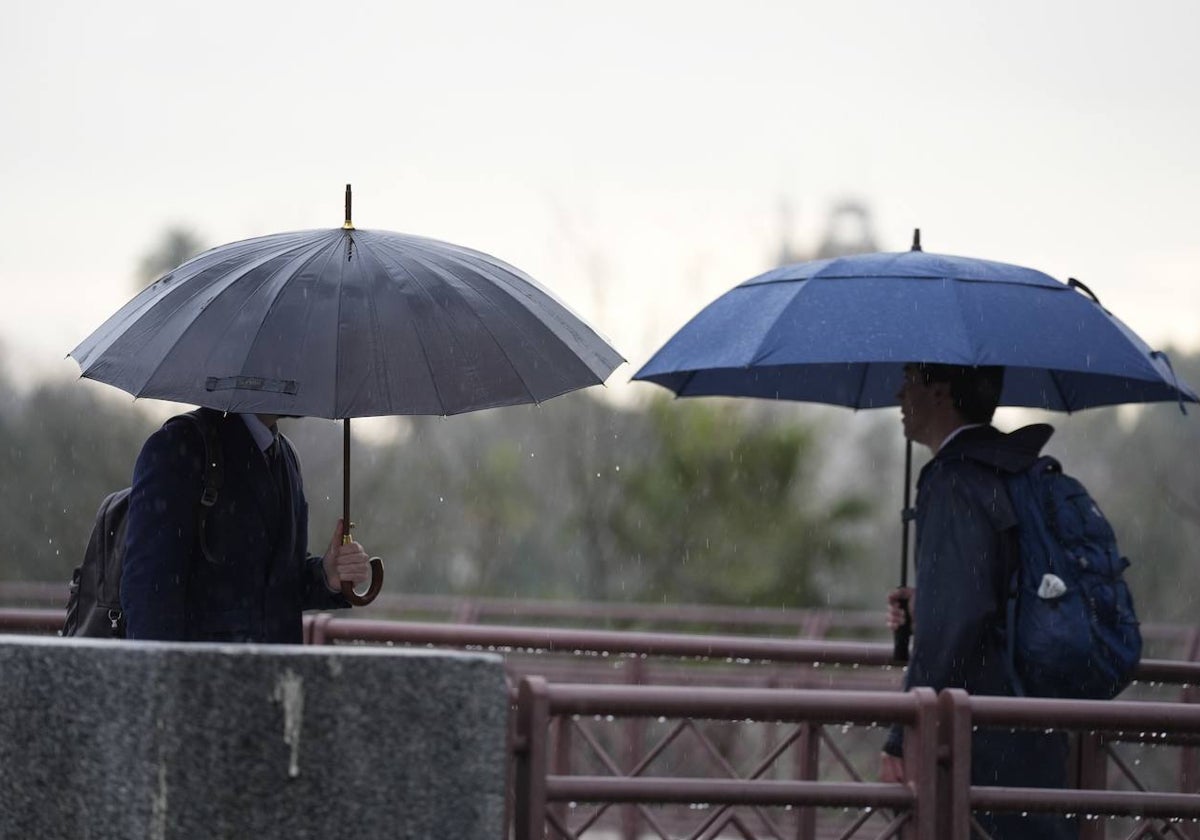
(840,331)
(346,323)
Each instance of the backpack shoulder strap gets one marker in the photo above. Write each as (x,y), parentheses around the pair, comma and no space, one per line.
(214,465)
(214,474)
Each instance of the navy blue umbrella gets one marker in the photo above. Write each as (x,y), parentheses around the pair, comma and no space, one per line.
(840,331)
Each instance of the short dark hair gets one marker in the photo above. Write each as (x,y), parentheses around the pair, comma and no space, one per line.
(975,390)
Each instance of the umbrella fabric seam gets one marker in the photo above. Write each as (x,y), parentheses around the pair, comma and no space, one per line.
(417,284)
(229,282)
(304,262)
(483,325)
(752,283)
(128,315)
(364,252)
(464,256)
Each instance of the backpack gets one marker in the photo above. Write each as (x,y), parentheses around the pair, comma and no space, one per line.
(94,602)
(1071,629)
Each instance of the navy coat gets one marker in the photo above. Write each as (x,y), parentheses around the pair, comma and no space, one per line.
(257,577)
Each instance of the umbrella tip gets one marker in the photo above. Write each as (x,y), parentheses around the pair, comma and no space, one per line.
(348,225)
(916,246)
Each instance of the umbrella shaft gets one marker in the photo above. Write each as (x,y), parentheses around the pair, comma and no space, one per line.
(906,514)
(346,526)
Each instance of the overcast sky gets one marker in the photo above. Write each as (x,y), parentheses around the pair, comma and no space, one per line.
(630,156)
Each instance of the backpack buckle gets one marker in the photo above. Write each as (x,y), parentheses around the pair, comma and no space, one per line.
(209,497)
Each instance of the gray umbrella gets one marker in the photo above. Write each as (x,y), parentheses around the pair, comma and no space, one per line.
(342,323)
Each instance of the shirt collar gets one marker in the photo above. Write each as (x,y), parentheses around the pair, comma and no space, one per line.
(957,432)
(262,435)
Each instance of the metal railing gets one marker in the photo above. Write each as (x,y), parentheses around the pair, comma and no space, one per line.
(582,645)
(938,803)
(1175,641)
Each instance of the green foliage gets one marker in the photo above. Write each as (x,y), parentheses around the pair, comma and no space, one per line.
(65,448)
(723,511)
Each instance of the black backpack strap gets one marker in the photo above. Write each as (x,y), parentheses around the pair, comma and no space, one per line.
(214,466)
(213,476)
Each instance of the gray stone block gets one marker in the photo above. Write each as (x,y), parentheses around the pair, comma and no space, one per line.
(124,740)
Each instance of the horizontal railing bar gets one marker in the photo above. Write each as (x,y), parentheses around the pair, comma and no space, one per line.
(54,592)
(561,640)
(1109,803)
(1108,715)
(733,703)
(727,792)
(565,640)
(27,620)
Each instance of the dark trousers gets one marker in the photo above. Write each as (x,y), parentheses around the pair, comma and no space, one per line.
(1022,759)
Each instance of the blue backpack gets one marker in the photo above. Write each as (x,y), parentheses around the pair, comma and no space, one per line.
(1072,631)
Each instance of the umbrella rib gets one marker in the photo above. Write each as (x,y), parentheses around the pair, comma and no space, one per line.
(240,273)
(1058,387)
(420,341)
(506,280)
(424,350)
(483,325)
(495,341)
(756,356)
(304,261)
(862,386)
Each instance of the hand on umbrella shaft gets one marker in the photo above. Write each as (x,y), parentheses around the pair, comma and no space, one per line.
(345,562)
(901,602)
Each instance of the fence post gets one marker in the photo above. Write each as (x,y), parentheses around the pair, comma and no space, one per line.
(561,727)
(1091,771)
(920,764)
(955,748)
(635,731)
(316,629)
(533,714)
(1189,767)
(808,752)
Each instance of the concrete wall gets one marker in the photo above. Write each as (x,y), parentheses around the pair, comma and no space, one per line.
(127,740)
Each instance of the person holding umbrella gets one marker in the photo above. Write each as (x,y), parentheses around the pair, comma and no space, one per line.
(965,545)
(241,572)
(336,323)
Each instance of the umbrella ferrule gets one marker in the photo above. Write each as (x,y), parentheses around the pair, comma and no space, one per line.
(348,225)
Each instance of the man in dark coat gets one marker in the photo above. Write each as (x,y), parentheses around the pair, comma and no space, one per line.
(254,575)
(965,553)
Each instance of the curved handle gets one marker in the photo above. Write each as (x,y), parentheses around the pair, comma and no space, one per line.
(376,584)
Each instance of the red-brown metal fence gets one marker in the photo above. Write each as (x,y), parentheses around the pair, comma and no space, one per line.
(939,802)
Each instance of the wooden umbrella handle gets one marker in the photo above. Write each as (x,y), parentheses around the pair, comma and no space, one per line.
(376,584)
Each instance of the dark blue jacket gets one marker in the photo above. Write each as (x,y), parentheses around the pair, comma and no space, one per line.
(257,577)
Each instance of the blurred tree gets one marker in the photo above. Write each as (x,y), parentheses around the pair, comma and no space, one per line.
(65,450)
(724,512)
(175,245)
